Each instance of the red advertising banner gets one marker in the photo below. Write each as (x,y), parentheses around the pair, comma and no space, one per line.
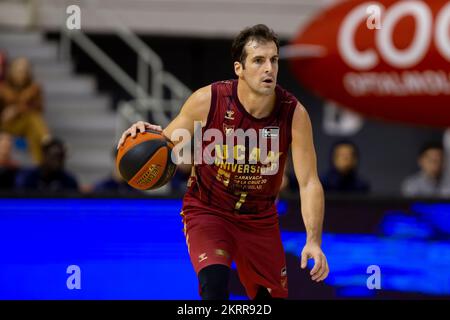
(383,59)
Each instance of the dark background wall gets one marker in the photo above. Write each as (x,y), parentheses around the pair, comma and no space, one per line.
(388,151)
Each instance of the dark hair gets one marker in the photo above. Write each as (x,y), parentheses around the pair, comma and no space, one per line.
(259,32)
(53,142)
(430,145)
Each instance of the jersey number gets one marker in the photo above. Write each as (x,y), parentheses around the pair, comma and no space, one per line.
(241,200)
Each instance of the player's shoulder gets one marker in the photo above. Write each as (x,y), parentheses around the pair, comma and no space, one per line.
(291,106)
(202,95)
(300,118)
(300,113)
(223,87)
(228,82)
(197,105)
(286,96)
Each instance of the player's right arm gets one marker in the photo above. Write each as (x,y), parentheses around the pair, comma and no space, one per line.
(196,108)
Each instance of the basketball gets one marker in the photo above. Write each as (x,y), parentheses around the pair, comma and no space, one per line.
(145,162)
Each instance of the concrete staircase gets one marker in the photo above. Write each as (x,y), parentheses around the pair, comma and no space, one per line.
(74,110)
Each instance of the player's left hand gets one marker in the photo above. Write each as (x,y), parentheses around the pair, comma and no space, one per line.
(320,270)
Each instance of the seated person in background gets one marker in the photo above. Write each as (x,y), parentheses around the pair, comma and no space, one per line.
(427,182)
(8,168)
(2,65)
(50,176)
(21,107)
(114,184)
(342,177)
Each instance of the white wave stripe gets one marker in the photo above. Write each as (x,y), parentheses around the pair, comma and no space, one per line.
(404,83)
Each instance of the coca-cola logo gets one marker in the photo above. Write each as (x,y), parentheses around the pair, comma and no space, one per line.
(427,29)
(398,70)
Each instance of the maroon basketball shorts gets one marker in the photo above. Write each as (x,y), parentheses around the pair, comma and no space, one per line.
(217,237)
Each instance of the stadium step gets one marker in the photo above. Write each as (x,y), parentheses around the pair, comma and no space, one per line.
(74,110)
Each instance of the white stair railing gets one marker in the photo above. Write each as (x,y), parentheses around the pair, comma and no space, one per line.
(143,100)
(104,61)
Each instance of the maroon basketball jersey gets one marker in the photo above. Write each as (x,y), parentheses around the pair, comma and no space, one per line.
(243,176)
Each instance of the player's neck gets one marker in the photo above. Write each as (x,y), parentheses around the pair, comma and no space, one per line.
(259,106)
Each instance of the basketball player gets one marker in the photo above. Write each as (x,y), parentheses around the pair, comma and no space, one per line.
(229,212)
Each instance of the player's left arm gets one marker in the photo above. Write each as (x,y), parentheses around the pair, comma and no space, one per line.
(311,192)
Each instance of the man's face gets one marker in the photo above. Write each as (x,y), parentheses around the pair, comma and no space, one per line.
(54,158)
(261,67)
(344,158)
(431,162)
(20,69)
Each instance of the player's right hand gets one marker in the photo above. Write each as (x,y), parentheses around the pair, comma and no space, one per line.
(139,126)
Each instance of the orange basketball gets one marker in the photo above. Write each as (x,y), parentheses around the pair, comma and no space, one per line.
(145,162)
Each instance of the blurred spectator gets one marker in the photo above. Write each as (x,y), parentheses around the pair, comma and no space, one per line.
(8,168)
(21,107)
(2,65)
(342,176)
(115,184)
(428,180)
(50,176)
